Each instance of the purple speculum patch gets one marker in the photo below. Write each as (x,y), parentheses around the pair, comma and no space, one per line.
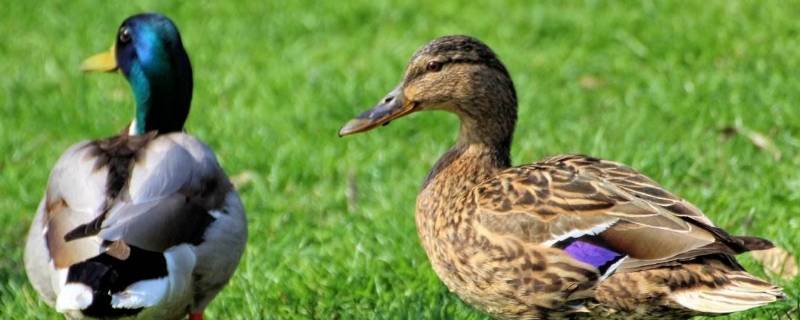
(593,254)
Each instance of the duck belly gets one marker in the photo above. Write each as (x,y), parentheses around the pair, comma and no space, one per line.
(507,279)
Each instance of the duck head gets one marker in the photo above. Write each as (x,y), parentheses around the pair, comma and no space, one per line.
(149,52)
(459,74)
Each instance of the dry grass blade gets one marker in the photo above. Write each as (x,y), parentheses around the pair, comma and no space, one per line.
(590,82)
(763,142)
(352,191)
(242,179)
(758,139)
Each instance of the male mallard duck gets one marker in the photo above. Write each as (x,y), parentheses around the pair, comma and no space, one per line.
(144,224)
(567,237)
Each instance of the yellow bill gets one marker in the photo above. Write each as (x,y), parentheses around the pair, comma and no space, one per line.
(101,62)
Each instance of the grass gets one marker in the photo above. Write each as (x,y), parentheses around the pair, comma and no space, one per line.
(651,84)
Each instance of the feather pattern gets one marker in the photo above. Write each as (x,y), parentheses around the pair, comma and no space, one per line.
(567,237)
(144,224)
(174,194)
(569,222)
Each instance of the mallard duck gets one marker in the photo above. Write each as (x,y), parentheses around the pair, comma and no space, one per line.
(144,224)
(568,237)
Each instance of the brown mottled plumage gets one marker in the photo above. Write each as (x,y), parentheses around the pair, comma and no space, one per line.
(519,242)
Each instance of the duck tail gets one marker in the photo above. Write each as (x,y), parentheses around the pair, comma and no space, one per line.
(754,243)
(740,292)
(115,283)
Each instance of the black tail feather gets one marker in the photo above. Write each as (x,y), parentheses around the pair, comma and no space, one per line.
(754,243)
(107,275)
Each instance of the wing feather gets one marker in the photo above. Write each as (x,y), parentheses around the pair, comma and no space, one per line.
(573,196)
(172,188)
(173,182)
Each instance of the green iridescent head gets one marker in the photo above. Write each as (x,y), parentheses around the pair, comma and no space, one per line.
(149,52)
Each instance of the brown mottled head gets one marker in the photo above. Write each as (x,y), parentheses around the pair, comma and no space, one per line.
(459,74)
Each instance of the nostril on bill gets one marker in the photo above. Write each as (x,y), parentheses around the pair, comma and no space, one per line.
(388,99)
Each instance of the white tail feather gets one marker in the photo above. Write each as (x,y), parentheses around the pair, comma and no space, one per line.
(142,294)
(742,293)
(74,297)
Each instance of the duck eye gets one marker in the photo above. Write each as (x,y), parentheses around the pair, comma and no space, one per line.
(124,35)
(433,66)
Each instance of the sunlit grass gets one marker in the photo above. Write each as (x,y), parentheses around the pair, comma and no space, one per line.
(650,84)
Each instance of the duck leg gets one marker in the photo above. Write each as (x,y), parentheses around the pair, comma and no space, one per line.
(196,316)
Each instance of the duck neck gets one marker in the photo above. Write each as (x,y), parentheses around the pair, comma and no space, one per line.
(162,101)
(483,148)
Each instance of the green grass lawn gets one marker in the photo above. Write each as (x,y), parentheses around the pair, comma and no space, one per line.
(652,84)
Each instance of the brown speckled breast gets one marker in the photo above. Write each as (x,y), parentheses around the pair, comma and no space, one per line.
(502,276)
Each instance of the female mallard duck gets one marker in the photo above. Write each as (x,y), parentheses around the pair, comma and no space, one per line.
(144,224)
(568,237)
